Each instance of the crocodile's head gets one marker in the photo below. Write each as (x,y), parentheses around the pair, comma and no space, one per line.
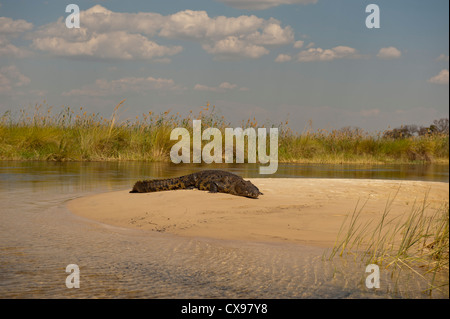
(247,189)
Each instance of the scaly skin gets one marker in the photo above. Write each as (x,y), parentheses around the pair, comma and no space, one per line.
(210,180)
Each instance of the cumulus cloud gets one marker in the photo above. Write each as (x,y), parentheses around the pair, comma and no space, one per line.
(101,20)
(283,58)
(10,78)
(9,49)
(234,47)
(227,86)
(103,87)
(442,57)
(10,29)
(225,37)
(198,25)
(107,34)
(389,53)
(223,87)
(262,4)
(298,44)
(14,27)
(112,45)
(441,78)
(319,54)
(272,34)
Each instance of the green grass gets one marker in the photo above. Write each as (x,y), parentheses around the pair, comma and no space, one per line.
(417,242)
(76,135)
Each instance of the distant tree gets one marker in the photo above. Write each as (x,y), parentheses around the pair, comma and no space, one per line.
(424,130)
(438,127)
(412,129)
(441,125)
(399,132)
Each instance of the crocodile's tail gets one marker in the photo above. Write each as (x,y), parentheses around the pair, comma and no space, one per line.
(157,185)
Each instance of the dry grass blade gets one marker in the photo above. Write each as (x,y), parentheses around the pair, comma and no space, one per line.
(113,117)
(417,242)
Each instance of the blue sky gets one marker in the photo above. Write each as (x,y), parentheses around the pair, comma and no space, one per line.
(302,60)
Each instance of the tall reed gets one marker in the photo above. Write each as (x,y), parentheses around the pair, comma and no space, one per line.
(417,242)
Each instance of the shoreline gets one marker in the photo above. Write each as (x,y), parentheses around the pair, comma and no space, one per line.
(292,210)
(363,161)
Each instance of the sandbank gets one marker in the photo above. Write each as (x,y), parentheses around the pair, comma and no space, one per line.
(295,210)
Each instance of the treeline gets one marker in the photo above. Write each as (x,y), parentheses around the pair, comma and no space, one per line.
(438,127)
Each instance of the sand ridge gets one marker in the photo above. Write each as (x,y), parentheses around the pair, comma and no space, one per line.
(298,210)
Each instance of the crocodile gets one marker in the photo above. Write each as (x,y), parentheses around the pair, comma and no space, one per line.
(213,181)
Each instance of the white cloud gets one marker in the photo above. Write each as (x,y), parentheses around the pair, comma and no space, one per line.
(442,57)
(262,4)
(193,25)
(441,78)
(319,54)
(10,78)
(101,20)
(223,87)
(102,87)
(389,53)
(9,49)
(198,25)
(272,34)
(107,34)
(227,86)
(14,27)
(112,45)
(298,44)
(283,58)
(233,47)
(10,29)
(225,37)
(201,87)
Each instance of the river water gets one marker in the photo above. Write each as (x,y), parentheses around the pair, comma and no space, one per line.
(39,237)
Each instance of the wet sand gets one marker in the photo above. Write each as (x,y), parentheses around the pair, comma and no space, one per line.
(306,211)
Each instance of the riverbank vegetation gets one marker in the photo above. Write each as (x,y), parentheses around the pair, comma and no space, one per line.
(44,133)
(416,243)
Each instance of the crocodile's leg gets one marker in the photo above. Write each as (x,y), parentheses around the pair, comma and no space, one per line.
(221,187)
(212,187)
(208,186)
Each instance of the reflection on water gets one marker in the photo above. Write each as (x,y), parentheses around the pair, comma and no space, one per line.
(39,238)
(89,175)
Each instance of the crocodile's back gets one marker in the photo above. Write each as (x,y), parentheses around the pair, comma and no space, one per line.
(203,178)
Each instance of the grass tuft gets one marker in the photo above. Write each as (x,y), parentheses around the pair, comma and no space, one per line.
(417,242)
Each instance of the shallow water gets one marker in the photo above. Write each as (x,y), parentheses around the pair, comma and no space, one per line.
(39,237)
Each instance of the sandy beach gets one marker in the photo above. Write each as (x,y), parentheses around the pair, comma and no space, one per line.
(306,211)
